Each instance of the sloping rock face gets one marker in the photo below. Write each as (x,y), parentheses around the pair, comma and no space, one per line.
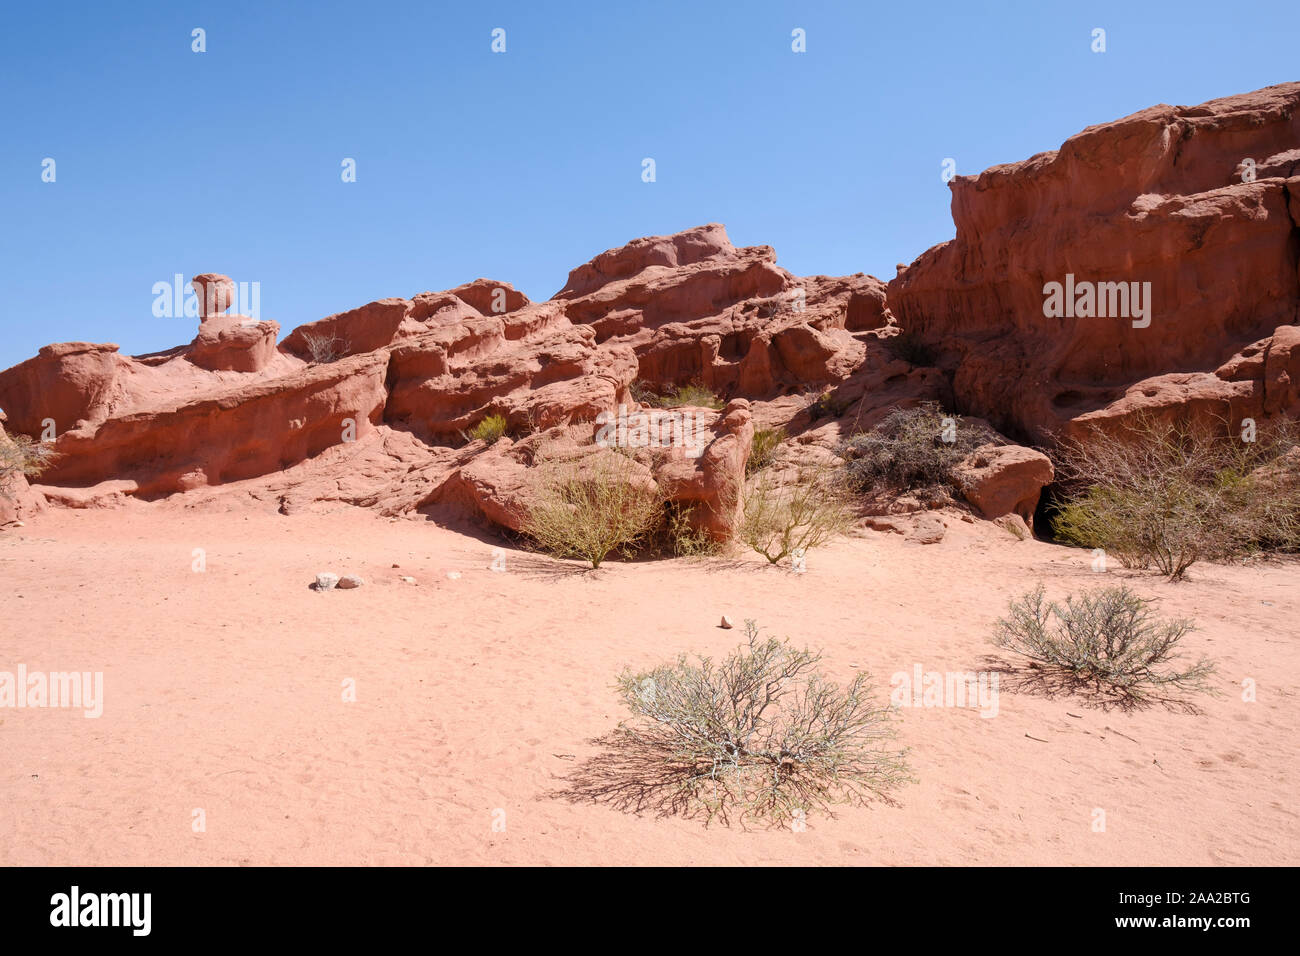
(372,406)
(1194,209)
(694,308)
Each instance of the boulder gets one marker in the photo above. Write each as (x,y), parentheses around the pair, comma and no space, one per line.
(1003,480)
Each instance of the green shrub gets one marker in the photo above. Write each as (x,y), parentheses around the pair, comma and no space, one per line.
(779,520)
(489,429)
(763,448)
(828,405)
(682,536)
(693,395)
(1107,639)
(907,449)
(593,508)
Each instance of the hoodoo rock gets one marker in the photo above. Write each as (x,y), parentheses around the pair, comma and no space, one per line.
(215,293)
(1149,264)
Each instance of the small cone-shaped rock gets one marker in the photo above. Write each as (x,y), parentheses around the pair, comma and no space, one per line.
(726,622)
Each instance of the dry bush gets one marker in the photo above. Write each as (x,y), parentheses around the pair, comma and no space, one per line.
(21,455)
(1106,639)
(593,508)
(322,348)
(780,519)
(907,450)
(760,736)
(763,448)
(770,306)
(1170,493)
(489,429)
(909,347)
(828,405)
(682,537)
(688,395)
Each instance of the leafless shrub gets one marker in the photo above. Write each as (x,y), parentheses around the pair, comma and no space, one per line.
(21,455)
(1106,639)
(1168,493)
(322,348)
(759,737)
(910,449)
(770,306)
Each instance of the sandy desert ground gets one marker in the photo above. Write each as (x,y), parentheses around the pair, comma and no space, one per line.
(481,694)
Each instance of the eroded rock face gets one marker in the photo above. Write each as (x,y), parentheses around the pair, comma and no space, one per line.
(66,384)
(234,343)
(1162,197)
(372,406)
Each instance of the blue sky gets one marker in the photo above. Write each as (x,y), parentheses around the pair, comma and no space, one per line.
(522,165)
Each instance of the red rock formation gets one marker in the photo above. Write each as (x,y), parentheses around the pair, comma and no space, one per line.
(1002,480)
(1165,196)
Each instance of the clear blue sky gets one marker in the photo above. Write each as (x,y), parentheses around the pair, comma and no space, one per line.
(520,166)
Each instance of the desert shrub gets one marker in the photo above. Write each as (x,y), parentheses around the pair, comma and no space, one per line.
(21,455)
(681,536)
(909,347)
(828,405)
(760,734)
(907,449)
(770,306)
(642,392)
(763,448)
(780,519)
(692,395)
(593,508)
(1168,493)
(1107,638)
(488,429)
(323,348)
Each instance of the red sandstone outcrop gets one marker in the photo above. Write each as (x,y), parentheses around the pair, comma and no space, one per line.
(370,406)
(1202,203)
